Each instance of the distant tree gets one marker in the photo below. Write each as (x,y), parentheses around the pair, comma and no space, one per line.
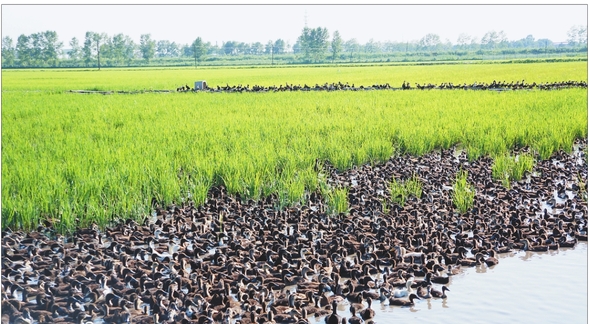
(173,49)
(165,48)
(35,49)
(269,48)
(577,35)
(23,50)
(146,47)
(372,46)
(97,40)
(161,48)
(313,43)
(352,46)
(92,47)
(119,49)
(87,50)
(230,48)
(212,49)
(545,44)
(582,35)
(491,39)
(107,50)
(199,50)
(279,46)
(50,48)
(240,48)
(8,52)
(475,43)
(296,48)
(463,40)
(430,42)
(187,50)
(336,45)
(529,41)
(305,43)
(502,40)
(257,48)
(75,52)
(130,50)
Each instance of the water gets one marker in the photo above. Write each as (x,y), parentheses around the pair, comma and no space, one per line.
(525,287)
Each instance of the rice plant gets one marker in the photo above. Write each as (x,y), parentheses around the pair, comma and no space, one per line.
(401,191)
(337,201)
(463,192)
(507,168)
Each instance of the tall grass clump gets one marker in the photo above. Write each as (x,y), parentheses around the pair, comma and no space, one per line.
(463,192)
(401,191)
(507,168)
(337,201)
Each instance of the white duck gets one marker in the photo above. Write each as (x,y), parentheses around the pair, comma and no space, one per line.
(404,292)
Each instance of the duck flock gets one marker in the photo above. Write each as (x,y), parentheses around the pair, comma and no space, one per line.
(243,261)
(339,86)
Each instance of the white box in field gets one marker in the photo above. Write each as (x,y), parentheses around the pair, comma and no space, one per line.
(200,85)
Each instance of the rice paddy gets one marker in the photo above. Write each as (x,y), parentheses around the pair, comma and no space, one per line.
(73,160)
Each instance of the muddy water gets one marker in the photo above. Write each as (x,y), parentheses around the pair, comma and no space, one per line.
(525,287)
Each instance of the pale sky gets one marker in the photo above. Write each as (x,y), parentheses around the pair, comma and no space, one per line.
(263,22)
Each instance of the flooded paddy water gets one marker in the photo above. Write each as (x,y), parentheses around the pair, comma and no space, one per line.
(525,287)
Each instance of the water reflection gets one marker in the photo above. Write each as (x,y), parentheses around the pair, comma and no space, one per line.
(445,303)
(481,268)
(502,293)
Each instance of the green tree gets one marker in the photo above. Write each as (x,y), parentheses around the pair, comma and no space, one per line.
(577,35)
(107,50)
(279,46)
(118,49)
(23,50)
(97,40)
(36,48)
(313,43)
(199,50)
(430,42)
(50,47)
(91,49)
(87,52)
(75,50)
(161,48)
(336,45)
(463,40)
(372,46)
(269,47)
(130,50)
(165,48)
(229,48)
(258,48)
(8,52)
(352,46)
(147,47)
(490,39)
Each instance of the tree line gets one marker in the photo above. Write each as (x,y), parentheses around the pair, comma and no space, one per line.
(314,45)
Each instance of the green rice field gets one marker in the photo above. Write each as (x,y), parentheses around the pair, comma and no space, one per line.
(77,159)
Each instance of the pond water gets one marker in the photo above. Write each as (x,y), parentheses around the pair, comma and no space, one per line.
(525,287)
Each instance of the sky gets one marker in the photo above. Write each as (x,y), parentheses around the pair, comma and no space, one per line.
(251,23)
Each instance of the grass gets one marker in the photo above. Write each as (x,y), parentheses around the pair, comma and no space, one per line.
(81,159)
(463,192)
(337,201)
(582,188)
(507,168)
(401,191)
